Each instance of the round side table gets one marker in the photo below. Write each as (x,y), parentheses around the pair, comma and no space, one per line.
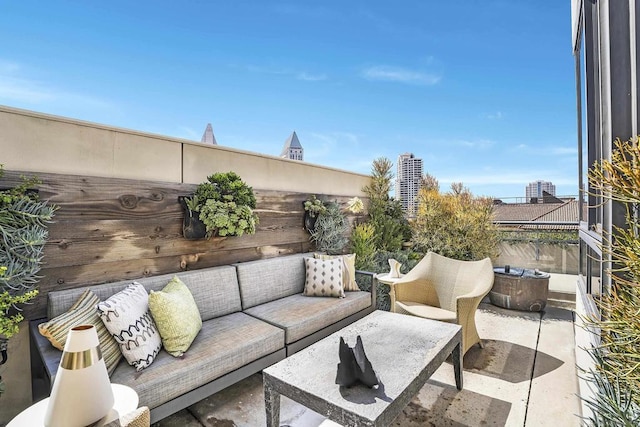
(389,281)
(384,278)
(126,400)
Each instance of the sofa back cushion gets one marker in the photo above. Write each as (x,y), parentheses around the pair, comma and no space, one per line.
(215,291)
(271,279)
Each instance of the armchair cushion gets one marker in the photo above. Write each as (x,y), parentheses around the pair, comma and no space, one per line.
(427,311)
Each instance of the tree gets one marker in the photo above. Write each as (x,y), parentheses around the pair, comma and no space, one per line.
(455,224)
(385,214)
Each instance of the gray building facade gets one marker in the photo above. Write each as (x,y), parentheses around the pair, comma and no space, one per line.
(535,189)
(408,182)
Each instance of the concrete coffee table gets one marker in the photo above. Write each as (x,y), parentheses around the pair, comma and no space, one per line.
(404,351)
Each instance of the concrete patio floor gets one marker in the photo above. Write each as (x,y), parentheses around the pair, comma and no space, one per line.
(525,376)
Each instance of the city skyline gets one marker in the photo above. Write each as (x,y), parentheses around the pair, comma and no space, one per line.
(490,103)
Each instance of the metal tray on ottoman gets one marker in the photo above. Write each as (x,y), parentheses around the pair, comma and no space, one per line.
(404,351)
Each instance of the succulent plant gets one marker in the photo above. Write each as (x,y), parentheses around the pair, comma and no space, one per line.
(225,205)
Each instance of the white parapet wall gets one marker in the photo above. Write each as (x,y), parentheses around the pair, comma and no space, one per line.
(37,142)
(550,258)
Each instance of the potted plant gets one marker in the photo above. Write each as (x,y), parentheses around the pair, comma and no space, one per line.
(224,204)
(330,231)
(192,226)
(313,208)
(23,233)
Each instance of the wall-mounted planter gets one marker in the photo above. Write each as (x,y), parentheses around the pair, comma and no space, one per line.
(309,222)
(192,227)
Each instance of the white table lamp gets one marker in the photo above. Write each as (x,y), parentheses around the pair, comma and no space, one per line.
(81,393)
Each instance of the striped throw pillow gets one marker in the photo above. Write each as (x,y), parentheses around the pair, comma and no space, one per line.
(83,312)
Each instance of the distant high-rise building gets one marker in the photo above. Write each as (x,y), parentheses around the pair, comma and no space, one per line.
(408,181)
(292,148)
(207,136)
(534,189)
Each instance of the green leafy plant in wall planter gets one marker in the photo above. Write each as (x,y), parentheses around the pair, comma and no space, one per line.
(313,208)
(331,230)
(223,204)
(23,234)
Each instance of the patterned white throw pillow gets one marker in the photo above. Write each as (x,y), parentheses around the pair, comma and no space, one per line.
(126,315)
(323,278)
(348,270)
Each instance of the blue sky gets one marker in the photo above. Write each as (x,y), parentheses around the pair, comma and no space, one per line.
(483,91)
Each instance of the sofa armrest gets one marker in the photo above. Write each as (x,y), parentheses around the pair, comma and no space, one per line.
(374,285)
(45,360)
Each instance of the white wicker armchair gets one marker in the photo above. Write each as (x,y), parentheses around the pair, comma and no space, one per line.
(445,289)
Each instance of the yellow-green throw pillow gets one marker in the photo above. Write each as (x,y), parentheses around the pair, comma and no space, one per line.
(348,270)
(83,312)
(176,315)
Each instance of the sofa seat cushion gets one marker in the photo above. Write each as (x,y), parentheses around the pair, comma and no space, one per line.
(300,315)
(223,345)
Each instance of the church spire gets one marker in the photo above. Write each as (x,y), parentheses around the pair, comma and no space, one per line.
(292,148)
(208,137)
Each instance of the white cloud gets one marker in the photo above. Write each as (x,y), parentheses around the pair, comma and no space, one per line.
(545,150)
(520,177)
(564,151)
(190,133)
(348,136)
(31,91)
(321,147)
(480,144)
(400,75)
(22,90)
(306,11)
(495,116)
(7,67)
(311,77)
(267,69)
(284,71)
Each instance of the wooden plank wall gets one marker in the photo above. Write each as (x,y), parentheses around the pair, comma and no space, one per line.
(109,229)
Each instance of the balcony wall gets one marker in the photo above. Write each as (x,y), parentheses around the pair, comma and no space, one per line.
(550,258)
(118,189)
(40,143)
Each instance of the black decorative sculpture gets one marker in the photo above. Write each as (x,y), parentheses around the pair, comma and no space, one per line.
(354,366)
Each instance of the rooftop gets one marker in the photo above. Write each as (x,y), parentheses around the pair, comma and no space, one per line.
(525,376)
(565,211)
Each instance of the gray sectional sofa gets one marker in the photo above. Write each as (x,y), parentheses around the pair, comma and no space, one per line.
(253,315)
